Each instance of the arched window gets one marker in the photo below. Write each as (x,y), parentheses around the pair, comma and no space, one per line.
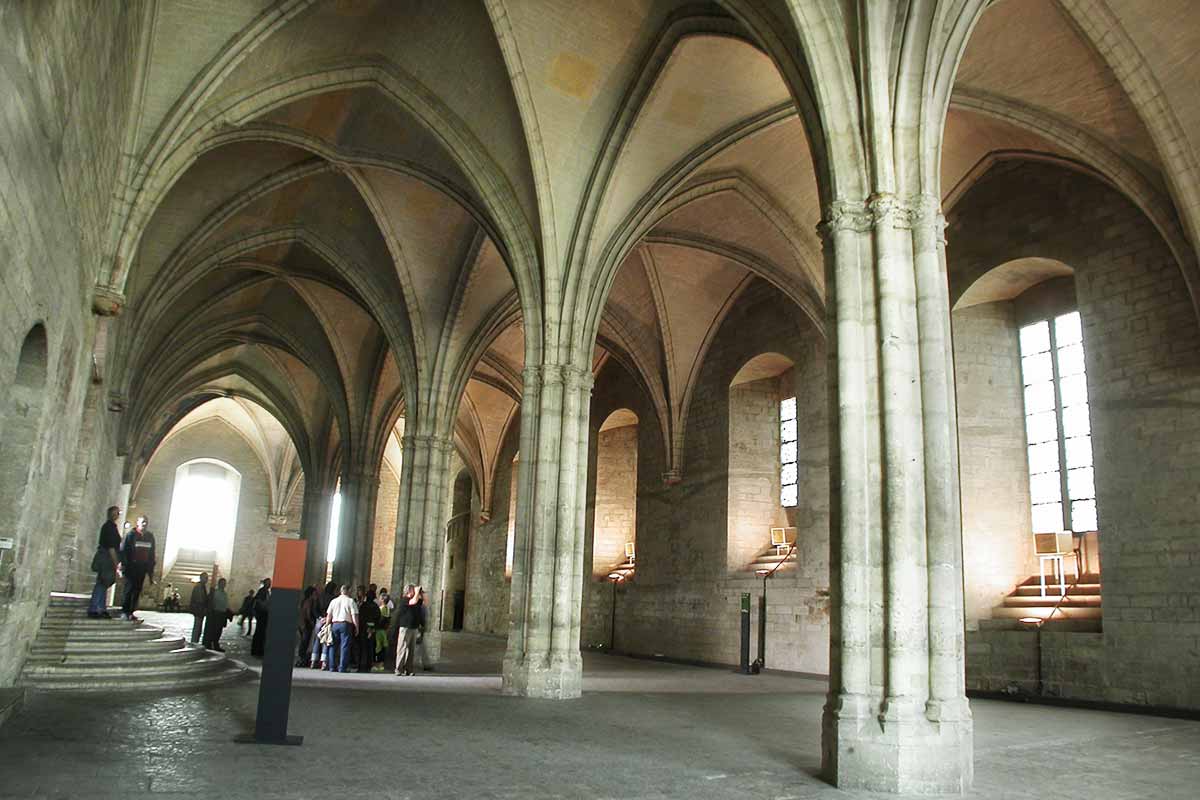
(764,458)
(203,516)
(510,542)
(615,526)
(1058,430)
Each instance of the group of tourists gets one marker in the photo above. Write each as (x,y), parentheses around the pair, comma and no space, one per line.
(134,557)
(341,631)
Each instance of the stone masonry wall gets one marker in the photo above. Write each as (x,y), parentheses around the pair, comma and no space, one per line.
(1142,346)
(487,592)
(61,132)
(683,602)
(997,546)
(616,497)
(253,541)
(384,542)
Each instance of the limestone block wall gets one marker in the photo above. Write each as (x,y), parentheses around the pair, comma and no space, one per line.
(60,146)
(753,482)
(616,497)
(683,602)
(997,544)
(1073,665)
(254,540)
(1142,346)
(384,543)
(487,588)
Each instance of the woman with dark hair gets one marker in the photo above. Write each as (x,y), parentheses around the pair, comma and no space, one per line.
(262,607)
(310,608)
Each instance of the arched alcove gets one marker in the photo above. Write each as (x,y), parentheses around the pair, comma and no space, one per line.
(21,418)
(458,548)
(615,527)
(203,514)
(763,456)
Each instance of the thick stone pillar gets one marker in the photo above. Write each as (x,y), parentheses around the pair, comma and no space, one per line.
(364,526)
(896,718)
(421,525)
(543,657)
(314,528)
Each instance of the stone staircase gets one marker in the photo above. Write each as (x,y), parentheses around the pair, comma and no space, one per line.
(1079,612)
(75,654)
(186,571)
(771,558)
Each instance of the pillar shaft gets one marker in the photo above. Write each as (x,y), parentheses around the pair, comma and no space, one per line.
(420,525)
(314,528)
(543,655)
(896,717)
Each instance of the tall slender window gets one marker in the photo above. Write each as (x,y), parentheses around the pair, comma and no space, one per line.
(788,466)
(1057,426)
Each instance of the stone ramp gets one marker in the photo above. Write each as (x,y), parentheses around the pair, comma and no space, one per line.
(75,654)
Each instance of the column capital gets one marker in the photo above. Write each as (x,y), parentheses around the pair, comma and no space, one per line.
(844,215)
(107,301)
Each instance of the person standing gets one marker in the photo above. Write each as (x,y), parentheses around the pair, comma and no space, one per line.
(406,622)
(343,616)
(368,620)
(218,615)
(310,608)
(105,564)
(246,614)
(198,606)
(381,630)
(138,557)
(262,607)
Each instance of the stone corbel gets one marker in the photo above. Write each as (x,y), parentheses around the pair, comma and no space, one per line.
(672,477)
(277,520)
(116,402)
(107,302)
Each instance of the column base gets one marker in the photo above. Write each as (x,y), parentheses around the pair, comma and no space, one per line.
(904,754)
(559,678)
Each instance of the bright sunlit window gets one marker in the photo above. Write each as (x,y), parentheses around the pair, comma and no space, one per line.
(788,465)
(203,514)
(1058,426)
(335,517)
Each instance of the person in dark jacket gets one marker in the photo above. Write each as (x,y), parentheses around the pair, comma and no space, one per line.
(262,601)
(368,618)
(218,616)
(246,614)
(406,622)
(198,606)
(138,557)
(104,564)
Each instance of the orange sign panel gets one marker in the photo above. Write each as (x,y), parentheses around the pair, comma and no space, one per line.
(289,563)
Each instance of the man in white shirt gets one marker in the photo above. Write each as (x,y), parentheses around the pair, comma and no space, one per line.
(342,614)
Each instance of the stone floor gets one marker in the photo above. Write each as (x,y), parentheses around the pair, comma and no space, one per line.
(641,730)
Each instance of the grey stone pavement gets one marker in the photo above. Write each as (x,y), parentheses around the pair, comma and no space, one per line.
(641,730)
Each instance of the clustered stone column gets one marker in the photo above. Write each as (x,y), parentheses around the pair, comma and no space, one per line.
(314,528)
(542,659)
(420,521)
(896,717)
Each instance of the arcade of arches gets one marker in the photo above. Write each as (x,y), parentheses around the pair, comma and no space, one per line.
(593,315)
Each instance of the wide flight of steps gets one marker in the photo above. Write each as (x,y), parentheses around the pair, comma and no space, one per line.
(773,559)
(73,653)
(186,571)
(1079,612)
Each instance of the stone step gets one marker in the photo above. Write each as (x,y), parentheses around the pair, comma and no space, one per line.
(1035,590)
(108,649)
(133,634)
(1072,601)
(1065,612)
(190,661)
(42,663)
(165,683)
(1055,625)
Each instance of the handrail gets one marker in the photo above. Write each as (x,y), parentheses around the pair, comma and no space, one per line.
(1062,599)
